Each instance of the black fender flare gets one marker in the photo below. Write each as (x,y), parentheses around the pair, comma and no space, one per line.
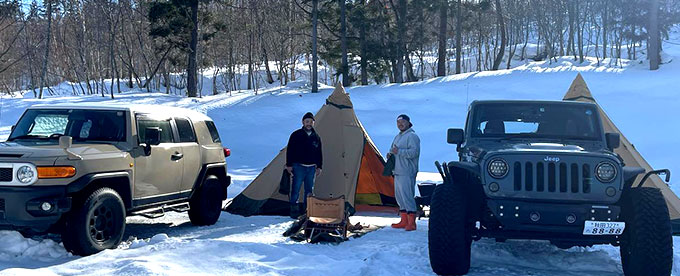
(629,175)
(469,167)
(222,176)
(468,174)
(83,182)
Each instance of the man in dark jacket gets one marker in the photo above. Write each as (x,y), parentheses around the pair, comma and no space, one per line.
(303,160)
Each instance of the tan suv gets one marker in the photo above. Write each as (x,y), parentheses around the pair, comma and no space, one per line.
(79,170)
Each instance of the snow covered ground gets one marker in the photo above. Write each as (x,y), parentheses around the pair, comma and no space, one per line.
(645,105)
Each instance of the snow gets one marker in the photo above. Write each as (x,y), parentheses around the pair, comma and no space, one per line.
(642,103)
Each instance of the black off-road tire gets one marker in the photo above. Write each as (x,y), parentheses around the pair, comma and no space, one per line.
(98,224)
(448,237)
(647,242)
(205,206)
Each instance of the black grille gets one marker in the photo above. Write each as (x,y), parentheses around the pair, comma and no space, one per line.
(5,174)
(2,204)
(562,177)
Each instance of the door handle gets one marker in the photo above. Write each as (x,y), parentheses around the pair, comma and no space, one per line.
(177,156)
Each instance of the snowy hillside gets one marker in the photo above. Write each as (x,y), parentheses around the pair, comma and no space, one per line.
(644,105)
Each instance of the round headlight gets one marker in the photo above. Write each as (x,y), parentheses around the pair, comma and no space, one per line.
(605,171)
(25,174)
(498,168)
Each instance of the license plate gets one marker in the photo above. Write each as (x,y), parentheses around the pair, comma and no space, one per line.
(603,228)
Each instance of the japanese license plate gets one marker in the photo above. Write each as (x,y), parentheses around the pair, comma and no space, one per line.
(603,228)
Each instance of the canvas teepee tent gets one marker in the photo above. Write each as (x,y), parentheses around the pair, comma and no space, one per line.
(579,92)
(353,166)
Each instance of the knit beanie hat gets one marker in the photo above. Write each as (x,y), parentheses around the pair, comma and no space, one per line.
(308,115)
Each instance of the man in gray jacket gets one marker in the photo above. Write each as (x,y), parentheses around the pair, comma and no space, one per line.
(406,151)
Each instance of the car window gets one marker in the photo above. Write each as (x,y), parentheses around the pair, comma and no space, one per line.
(213,131)
(186,131)
(82,125)
(163,125)
(536,120)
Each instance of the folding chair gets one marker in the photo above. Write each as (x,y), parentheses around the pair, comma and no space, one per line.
(326,216)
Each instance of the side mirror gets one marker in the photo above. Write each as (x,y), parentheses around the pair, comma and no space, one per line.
(13,127)
(613,140)
(65,142)
(152,136)
(455,136)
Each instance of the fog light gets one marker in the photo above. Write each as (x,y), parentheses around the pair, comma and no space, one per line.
(610,191)
(46,206)
(535,216)
(494,187)
(571,218)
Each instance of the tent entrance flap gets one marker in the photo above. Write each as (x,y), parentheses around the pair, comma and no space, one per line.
(373,188)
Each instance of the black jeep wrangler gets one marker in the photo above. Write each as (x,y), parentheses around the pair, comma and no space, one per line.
(545,170)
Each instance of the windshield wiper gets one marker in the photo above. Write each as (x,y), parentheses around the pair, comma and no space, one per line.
(27,136)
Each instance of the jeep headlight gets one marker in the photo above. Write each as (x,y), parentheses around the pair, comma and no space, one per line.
(498,168)
(25,174)
(605,171)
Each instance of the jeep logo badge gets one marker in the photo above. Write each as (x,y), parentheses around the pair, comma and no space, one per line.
(551,159)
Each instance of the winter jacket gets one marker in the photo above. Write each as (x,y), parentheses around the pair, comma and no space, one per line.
(406,159)
(304,149)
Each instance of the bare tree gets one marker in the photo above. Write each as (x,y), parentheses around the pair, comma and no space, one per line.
(315,14)
(441,62)
(653,45)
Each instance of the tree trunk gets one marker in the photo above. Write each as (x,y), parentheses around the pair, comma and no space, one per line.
(270,78)
(344,67)
(441,64)
(501,25)
(579,32)
(193,45)
(362,45)
(251,75)
(315,11)
(570,39)
(43,75)
(605,22)
(653,48)
(410,76)
(459,36)
(401,42)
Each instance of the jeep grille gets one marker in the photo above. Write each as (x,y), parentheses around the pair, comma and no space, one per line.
(566,177)
(5,174)
(552,177)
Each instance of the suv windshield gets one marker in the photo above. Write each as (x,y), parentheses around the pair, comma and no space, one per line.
(535,120)
(82,125)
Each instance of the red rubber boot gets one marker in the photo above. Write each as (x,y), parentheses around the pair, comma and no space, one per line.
(411,220)
(403,222)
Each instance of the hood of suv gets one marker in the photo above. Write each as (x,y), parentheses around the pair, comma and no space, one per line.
(9,150)
(552,147)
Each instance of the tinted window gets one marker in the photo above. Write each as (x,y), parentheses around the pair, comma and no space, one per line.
(213,131)
(186,131)
(536,120)
(82,125)
(163,125)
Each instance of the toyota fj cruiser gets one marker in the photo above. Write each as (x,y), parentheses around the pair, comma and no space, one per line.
(545,170)
(79,170)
